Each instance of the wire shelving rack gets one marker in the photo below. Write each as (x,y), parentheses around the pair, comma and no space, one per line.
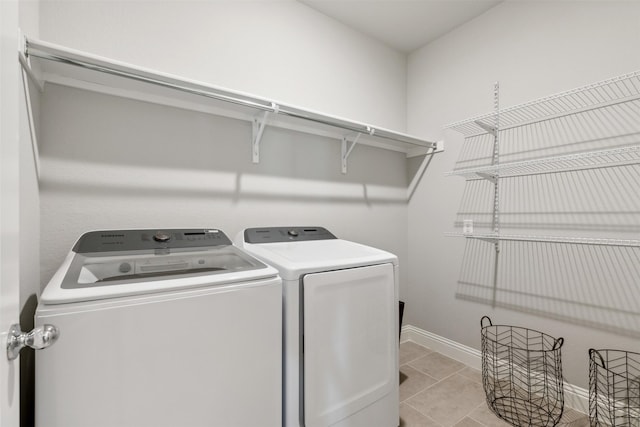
(611,110)
(617,90)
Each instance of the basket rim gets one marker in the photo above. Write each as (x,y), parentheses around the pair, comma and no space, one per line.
(616,350)
(555,346)
(594,355)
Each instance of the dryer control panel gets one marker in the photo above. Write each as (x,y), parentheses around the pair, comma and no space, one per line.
(286,234)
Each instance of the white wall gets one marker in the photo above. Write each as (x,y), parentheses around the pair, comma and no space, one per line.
(117,163)
(278,49)
(533,49)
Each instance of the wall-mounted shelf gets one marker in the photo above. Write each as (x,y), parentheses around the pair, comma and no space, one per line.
(589,160)
(615,91)
(594,129)
(490,237)
(46,62)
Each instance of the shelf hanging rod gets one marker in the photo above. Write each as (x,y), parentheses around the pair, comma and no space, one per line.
(42,53)
(141,78)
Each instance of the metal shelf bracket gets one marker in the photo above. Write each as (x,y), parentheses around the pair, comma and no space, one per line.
(347,149)
(493,240)
(491,129)
(489,177)
(26,66)
(28,74)
(258,125)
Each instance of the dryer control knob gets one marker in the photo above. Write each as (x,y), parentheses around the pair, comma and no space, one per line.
(161,236)
(292,233)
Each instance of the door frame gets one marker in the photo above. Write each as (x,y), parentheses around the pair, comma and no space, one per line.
(9,207)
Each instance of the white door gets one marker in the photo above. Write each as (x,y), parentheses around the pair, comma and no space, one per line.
(9,288)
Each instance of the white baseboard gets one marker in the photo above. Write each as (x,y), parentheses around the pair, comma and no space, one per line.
(467,355)
(575,397)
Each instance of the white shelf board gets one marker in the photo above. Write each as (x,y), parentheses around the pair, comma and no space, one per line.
(617,90)
(550,239)
(620,156)
(70,67)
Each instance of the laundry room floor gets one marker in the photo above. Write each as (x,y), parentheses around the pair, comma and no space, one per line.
(437,391)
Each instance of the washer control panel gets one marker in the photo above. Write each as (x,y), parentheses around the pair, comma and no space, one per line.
(133,240)
(286,234)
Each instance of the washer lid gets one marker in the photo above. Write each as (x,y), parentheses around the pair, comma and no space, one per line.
(294,259)
(112,268)
(147,261)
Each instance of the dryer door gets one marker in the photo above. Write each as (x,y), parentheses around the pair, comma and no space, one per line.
(350,343)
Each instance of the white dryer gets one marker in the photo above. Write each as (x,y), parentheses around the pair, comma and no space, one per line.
(340,326)
(160,328)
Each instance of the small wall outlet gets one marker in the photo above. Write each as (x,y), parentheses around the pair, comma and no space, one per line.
(467,226)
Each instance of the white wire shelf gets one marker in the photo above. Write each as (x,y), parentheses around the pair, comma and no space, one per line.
(621,156)
(550,239)
(617,90)
(48,62)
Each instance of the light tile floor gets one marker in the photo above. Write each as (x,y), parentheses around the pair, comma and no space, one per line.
(436,391)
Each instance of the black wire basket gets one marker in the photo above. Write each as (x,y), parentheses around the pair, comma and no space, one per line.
(522,374)
(614,388)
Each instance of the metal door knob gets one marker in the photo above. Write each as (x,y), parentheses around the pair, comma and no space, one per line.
(39,338)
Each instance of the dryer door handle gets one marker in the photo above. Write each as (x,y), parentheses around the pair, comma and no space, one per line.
(39,338)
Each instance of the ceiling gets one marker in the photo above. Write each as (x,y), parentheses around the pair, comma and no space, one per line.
(404,25)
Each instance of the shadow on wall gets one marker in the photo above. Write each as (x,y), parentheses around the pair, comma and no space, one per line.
(96,142)
(594,284)
(139,183)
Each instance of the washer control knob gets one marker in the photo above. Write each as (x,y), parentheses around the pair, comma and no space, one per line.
(161,236)
(292,233)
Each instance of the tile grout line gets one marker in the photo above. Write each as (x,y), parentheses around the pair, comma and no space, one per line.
(478,421)
(464,366)
(424,415)
(405,401)
(424,373)
(424,389)
(437,380)
(418,357)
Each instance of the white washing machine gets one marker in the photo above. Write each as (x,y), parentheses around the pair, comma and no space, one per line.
(340,326)
(161,328)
